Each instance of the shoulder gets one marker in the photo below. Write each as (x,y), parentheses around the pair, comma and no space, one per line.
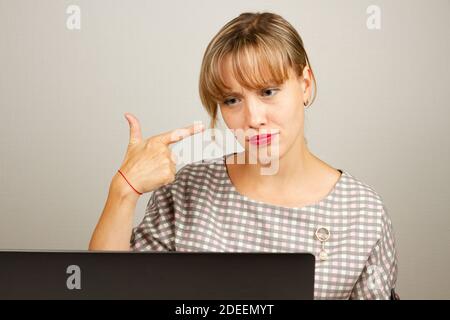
(354,189)
(369,204)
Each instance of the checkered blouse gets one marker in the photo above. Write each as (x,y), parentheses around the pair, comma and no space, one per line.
(202,211)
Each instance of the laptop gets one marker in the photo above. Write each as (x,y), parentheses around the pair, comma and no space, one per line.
(156,275)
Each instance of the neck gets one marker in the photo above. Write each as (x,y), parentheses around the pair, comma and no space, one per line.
(295,169)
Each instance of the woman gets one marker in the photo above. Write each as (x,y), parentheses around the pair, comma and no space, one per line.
(257,72)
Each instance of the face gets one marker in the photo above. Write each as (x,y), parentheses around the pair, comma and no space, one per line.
(275,109)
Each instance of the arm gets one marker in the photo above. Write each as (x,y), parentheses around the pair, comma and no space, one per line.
(379,275)
(149,164)
(156,232)
(113,230)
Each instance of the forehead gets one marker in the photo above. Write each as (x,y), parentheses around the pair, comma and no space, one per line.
(227,74)
(240,82)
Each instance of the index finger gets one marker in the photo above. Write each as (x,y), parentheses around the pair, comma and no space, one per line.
(180,133)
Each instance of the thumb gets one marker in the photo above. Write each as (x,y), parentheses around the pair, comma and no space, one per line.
(135,128)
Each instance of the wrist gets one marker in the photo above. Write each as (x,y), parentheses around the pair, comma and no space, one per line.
(121,189)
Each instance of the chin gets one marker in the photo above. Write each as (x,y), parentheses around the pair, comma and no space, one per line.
(264,153)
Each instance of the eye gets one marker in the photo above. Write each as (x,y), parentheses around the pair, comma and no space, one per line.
(270,92)
(230,101)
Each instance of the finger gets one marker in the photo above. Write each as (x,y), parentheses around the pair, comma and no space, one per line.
(135,128)
(181,133)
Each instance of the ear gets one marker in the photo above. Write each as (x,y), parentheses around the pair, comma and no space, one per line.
(306,79)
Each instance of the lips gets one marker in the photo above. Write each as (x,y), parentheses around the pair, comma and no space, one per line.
(261,139)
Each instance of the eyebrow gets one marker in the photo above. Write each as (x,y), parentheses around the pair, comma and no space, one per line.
(232,93)
(237,94)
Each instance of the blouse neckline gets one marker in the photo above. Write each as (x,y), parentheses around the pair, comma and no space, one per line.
(239,195)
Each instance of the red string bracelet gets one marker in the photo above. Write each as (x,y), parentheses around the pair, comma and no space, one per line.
(128,182)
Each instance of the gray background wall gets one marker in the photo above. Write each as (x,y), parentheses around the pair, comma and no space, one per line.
(382,111)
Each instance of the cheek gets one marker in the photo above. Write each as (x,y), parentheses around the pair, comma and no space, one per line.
(232,119)
(290,122)
(287,116)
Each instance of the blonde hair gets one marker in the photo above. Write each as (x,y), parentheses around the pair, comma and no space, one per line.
(255,42)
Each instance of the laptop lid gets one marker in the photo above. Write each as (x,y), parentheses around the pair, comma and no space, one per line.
(156,275)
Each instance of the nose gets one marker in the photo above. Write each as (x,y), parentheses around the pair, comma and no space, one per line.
(256,115)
